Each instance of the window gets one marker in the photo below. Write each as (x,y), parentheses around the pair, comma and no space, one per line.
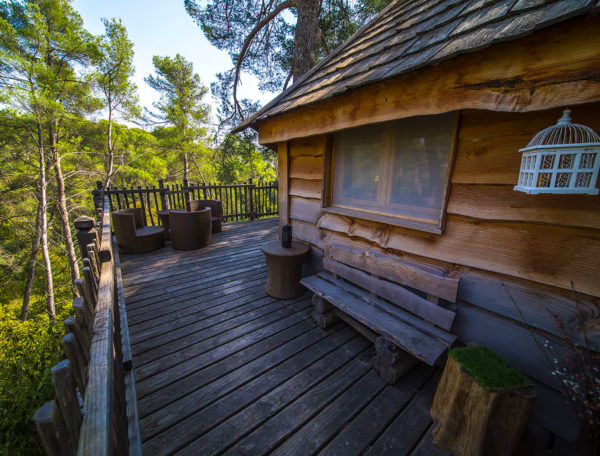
(396,172)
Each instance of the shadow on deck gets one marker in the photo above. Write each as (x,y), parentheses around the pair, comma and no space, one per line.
(222,368)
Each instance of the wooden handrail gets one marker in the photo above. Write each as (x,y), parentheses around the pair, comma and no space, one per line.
(109,422)
(95,435)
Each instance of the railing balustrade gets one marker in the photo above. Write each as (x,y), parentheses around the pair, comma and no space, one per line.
(243,201)
(95,392)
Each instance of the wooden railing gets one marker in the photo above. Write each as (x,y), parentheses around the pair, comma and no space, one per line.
(98,370)
(244,201)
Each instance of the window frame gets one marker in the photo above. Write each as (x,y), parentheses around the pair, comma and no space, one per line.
(404,221)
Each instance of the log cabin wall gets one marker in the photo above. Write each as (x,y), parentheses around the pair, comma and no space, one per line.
(519,256)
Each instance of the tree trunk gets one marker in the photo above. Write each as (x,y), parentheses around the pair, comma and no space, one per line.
(44,229)
(62,207)
(109,163)
(35,247)
(469,420)
(307,35)
(186,167)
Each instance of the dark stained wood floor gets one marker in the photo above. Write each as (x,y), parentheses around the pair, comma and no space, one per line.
(222,368)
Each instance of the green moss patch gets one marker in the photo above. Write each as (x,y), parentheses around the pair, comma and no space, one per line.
(489,369)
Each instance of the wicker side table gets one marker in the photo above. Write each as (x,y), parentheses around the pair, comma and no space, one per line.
(190,230)
(285,269)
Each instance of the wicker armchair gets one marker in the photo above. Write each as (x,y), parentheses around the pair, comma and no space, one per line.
(138,215)
(133,238)
(190,230)
(216,209)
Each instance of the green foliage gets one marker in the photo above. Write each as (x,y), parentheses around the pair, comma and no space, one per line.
(28,350)
(239,159)
(51,73)
(180,106)
(115,69)
(490,370)
(181,93)
(227,24)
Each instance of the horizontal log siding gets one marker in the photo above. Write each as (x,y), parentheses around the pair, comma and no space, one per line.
(565,257)
(489,142)
(509,248)
(306,179)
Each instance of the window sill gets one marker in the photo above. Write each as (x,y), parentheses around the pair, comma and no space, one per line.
(433,227)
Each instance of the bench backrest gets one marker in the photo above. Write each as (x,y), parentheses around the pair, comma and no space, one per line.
(387,277)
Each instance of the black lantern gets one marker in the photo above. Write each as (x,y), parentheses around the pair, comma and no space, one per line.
(286,236)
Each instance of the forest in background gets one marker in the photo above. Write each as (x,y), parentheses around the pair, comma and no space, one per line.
(69,117)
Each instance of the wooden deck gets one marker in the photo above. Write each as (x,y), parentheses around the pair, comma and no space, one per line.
(222,368)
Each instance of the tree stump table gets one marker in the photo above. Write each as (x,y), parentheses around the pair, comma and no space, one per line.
(285,269)
(482,404)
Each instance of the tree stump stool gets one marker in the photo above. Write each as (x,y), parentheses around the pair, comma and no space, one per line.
(482,404)
(285,269)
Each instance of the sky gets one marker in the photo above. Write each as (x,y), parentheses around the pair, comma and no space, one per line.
(163,27)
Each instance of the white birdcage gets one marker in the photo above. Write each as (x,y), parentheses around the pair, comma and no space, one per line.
(562,158)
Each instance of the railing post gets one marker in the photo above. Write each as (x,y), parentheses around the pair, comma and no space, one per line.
(98,194)
(252,189)
(86,234)
(163,196)
(276,197)
(186,192)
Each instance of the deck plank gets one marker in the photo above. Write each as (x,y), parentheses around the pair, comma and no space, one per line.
(411,424)
(193,290)
(174,341)
(324,427)
(355,438)
(218,439)
(215,413)
(203,319)
(222,368)
(174,303)
(164,371)
(320,343)
(181,316)
(228,372)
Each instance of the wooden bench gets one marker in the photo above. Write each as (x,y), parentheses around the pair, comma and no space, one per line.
(400,313)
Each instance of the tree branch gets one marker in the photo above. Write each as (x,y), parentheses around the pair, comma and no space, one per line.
(324,42)
(282,6)
(289,76)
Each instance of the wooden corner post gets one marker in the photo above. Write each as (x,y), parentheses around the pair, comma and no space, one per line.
(251,191)
(163,195)
(283,172)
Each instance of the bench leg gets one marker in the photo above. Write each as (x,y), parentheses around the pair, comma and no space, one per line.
(323,313)
(391,362)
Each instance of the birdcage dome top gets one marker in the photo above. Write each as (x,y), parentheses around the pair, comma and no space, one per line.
(564,132)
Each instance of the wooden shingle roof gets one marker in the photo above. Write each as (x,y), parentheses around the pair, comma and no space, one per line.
(412,34)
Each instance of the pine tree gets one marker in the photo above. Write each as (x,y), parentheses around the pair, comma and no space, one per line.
(181,102)
(113,77)
(42,47)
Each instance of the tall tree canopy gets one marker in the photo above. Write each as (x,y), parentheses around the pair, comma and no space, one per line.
(280,39)
(181,101)
(43,48)
(114,72)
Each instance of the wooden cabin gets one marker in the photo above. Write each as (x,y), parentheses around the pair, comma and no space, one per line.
(404,145)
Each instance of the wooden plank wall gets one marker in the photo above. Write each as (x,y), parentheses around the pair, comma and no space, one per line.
(518,255)
(305,192)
